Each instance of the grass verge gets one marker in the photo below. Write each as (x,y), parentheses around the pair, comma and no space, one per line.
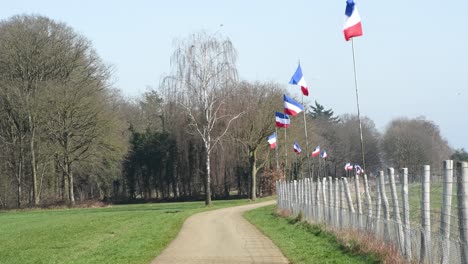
(304,243)
(116,234)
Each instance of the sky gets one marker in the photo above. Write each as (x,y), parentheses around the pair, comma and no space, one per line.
(412,60)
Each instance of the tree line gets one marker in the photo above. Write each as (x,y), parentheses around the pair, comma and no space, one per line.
(67,135)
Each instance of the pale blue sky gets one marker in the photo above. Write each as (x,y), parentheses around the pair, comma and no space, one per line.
(412,59)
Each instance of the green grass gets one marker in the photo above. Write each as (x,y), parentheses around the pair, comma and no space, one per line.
(117,234)
(300,242)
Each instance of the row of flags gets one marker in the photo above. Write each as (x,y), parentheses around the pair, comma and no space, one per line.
(352,28)
(350,167)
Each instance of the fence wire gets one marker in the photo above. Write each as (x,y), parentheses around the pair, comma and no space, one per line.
(426,219)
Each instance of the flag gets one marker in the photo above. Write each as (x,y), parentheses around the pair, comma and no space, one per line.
(298,79)
(324,155)
(358,169)
(348,166)
(292,107)
(297,149)
(352,25)
(272,141)
(316,151)
(282,120)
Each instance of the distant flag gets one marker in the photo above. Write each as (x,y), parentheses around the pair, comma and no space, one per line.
(358,169)
(348,166)
(298,79)
(316,151)
(352,25)
(282,120)
(324,155)
(292,107)
(272,141)
(297,149)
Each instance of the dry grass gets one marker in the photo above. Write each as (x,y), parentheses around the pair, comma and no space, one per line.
(364,243)
(357,242)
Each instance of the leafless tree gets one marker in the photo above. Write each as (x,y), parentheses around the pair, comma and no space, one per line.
(414,142)
(259,101)
(204,70)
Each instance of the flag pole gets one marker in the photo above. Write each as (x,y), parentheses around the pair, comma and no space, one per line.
(306,138)
(276,149)
(285,153)
(357,103)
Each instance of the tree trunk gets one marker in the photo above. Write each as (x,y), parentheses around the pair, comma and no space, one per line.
(69,173)
(253,173)
(33,163)
(208,181)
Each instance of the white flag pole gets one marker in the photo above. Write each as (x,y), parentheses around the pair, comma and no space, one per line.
(276,149)
(285,153)
(357,103)
(306,138)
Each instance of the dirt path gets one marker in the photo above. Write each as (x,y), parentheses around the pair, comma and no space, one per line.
(221,236)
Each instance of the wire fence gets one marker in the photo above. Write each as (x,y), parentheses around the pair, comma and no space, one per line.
(426,220)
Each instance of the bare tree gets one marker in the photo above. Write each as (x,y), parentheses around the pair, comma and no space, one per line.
(259,101)
(413,142)
(204,71)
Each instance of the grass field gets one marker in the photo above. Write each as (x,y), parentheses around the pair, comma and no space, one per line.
(117,234)
(302,243)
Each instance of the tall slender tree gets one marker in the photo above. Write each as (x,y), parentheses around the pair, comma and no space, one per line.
(204,72)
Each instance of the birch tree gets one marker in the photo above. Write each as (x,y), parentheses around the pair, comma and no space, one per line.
(204,71)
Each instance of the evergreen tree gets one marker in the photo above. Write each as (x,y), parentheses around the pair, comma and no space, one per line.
(319,112)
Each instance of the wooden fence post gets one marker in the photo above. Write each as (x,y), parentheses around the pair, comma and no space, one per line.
(396,209)
(368,202)
(330,200)
(337,201)
(385,205)
(348,196)
(462,192)
(445,211)
(341,202)
(319,199)
(324,194)
(312,200)
(378,199)
(426,243)
(358,199)
(406,213)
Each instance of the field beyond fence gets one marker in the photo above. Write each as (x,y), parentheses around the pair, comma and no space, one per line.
(427,220)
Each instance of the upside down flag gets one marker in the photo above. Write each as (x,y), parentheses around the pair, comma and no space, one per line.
(272,141)
(316,151)
(297,149)
(352,25)
(292,107)
(282,120)
(324,155)
(348,166)
(358,169)
(298,79)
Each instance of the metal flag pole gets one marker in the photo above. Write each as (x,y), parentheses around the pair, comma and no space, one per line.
(357,103)
(306,138)
(276,149)
(285,154)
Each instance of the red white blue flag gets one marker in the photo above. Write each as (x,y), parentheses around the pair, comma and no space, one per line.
(297,149)
(358,169)
(298,79)
(282,120)
(272,141)
(324,154)
(292,107)
(352,25)
(348,166)
(316,151)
